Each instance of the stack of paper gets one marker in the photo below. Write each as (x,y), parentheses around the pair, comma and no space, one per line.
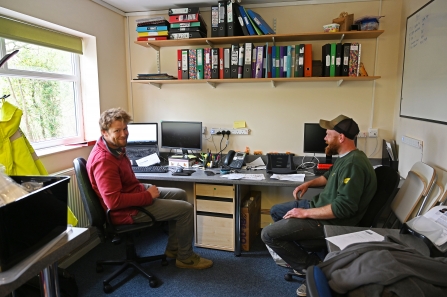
(392,150)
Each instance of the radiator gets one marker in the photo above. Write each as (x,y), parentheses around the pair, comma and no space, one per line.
(74,197)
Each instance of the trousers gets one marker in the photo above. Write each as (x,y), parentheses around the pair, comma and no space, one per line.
(171,206)
(284,235)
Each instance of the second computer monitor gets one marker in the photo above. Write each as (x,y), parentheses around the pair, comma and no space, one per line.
(181,135)
(314,140)
(143,133)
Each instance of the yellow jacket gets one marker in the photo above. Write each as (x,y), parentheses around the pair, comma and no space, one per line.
(16,153)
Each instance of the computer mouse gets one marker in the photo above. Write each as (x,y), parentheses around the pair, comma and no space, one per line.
(179,169)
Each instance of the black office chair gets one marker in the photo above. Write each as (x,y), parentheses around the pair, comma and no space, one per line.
(101,220)
(387,183)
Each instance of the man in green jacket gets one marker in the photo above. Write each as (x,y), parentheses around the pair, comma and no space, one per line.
(349,186)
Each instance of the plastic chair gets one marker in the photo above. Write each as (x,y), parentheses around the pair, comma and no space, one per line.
(438,193)
(99,218)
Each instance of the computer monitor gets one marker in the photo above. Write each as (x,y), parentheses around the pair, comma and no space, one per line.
(143,133)
(314,140)
(181,135)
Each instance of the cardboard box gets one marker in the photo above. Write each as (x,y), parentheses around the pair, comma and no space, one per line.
(344,22)
(186,163)
(33,220)
(250,219)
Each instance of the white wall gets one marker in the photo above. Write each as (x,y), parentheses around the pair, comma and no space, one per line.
(434,136)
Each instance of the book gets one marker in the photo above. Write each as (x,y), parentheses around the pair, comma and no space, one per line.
(262,25)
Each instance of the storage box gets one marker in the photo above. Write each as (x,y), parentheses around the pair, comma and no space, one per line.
(186,163)
(345,22)
(33,220)
(250,219)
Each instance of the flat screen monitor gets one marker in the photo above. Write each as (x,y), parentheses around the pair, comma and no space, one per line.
(314,140)
(181,135)
(143,133)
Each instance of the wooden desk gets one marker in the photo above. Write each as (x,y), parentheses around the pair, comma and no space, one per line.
(200,177)
(45,266)
(330,230)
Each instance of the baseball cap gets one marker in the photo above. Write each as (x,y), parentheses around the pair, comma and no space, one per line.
(342,124)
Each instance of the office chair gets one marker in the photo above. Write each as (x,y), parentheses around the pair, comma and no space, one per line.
(101,220)
(387,183)
(317,283)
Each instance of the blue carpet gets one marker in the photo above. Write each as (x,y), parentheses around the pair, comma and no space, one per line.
(254,273)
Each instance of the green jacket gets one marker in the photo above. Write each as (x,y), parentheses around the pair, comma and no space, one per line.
(351,184)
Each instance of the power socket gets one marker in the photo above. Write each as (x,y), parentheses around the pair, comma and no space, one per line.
(203,130)
(362,134)
(240,131)
(373,133)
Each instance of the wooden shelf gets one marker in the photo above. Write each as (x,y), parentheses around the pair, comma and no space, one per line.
(273,81)
(262,38)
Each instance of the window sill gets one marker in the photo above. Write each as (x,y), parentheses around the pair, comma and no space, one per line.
(61,148)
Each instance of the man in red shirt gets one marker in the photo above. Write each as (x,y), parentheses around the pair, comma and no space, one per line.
(112,178)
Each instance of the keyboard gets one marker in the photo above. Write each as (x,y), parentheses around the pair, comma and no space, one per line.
(150,169)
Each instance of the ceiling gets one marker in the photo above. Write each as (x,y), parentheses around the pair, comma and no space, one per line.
(136,6)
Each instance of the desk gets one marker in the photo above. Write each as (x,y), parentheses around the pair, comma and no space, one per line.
(330,230)
(46,265)
(200,177)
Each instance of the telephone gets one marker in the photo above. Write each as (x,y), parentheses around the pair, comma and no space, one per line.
(234,159)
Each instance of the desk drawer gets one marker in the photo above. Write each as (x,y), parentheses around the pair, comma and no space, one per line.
(215,190)
(215,232)
(209,205)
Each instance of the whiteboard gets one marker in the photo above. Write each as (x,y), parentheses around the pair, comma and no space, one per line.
(424,77)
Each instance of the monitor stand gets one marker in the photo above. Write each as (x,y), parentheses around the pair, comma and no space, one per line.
(185,154)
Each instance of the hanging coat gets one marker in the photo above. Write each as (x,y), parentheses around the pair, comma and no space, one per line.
(16,153)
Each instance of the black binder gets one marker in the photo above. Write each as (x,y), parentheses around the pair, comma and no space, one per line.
(240,20)
(222,31)
(233,27)
(234,60)
(214,63)
(280,164)
(326,59)
(345,64)
(338,59)
(249,47)
(214,21)
(227,62)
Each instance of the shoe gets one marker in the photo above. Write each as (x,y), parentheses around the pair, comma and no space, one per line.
(171,254)
(301,291)
(301,272)
(194,262)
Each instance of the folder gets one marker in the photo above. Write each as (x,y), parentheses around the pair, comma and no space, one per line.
(247,59)
(260,22)
(326,59)
(221,63)
(288,61)
(199,63)
(189,25)
(268,61)
(227,61)
(152,28)
(180,18)
(214,63)
(187,35)
(214,21)
(222,18)
(338,58)
(233,27)
(185,66)
(207,63)
(186,10)
(278,61)
(273,61)
(240,20)
(359,59)
(353,58)
(240,63)
(259,61)
(179,64)
(332,66)
(299,60)
(345,66)
(234,60)
(253,62)
(247,22)
(192,59)
(253,24)
(282,53)
(292,61)
(308,60)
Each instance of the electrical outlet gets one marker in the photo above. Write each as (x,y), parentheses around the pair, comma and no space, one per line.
(373,133)
(203,129)
(362,134)
(240,131)
(412,142)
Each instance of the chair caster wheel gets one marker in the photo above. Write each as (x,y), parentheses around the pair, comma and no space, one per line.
(99,268)
(288,277)
(153,283)
(108,289)
(164,262)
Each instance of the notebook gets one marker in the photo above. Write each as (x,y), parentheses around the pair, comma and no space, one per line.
(142,141)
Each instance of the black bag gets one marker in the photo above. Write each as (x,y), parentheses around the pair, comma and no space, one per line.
(67,284)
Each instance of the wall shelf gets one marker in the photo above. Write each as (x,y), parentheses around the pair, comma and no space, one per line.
(214,82)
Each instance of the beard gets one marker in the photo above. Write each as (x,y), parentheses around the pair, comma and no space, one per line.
(332,149)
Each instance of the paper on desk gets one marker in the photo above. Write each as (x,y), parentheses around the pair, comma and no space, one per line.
(344,240)
(256,163)
(148,160)
(291,177)
(244,176)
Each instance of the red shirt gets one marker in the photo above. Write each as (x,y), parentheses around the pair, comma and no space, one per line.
(115,183)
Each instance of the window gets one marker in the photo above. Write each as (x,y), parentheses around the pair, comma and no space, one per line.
(45,84)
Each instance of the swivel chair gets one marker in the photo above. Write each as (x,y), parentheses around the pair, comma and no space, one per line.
(102,222)
(387,183)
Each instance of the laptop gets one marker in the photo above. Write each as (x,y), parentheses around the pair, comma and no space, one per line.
(142,141)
